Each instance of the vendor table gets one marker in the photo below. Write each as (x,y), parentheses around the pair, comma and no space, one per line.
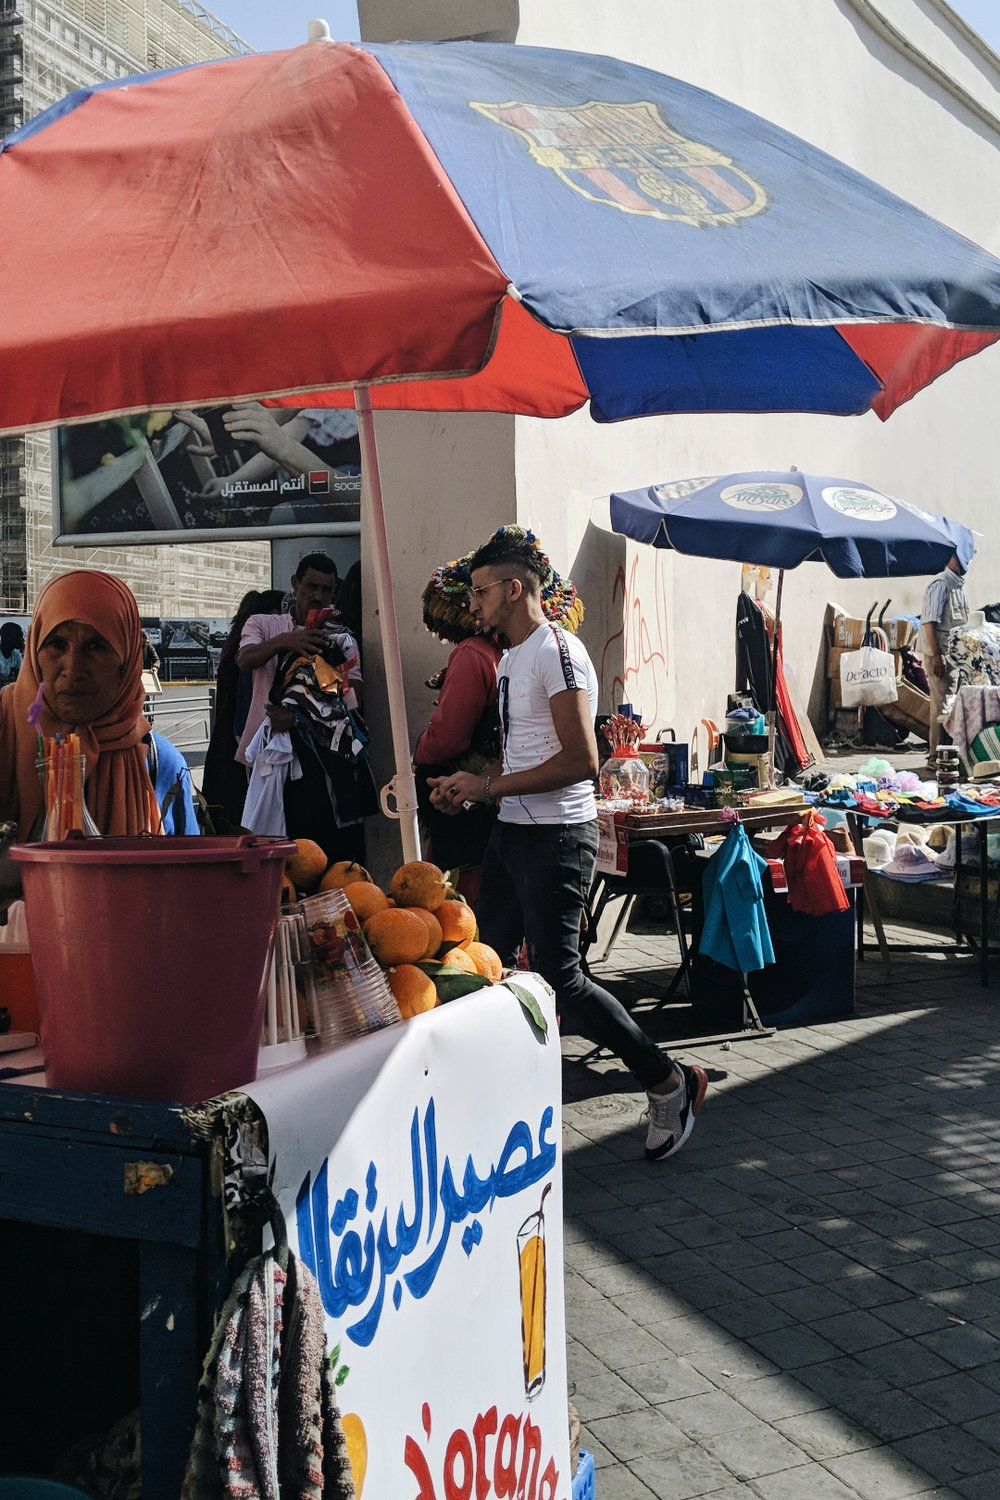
(416,1172)
(977,935)
(775,989)
(710,821)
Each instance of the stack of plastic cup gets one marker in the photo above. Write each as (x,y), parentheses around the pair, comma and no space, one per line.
(347,994)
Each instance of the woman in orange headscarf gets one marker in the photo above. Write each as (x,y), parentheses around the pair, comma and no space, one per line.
(82,674)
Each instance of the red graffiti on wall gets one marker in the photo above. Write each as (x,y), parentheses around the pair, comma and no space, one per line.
(642,641)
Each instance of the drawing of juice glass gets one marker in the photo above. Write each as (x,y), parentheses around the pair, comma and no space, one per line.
(531,1262)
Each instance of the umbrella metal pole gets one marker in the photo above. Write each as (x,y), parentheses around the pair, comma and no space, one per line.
(772,707)
(402,788)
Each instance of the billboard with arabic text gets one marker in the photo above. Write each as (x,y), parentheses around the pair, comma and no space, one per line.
(196,475)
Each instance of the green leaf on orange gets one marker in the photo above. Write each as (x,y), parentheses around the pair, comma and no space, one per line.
(530,1006)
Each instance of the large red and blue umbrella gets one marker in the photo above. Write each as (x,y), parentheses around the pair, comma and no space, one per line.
(573,227)
(461,226)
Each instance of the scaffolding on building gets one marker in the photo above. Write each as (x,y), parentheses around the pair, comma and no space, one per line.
(48,48)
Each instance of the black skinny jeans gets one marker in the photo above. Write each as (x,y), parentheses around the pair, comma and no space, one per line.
(534,882)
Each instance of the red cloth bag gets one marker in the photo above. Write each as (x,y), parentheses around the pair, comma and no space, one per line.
(814,883)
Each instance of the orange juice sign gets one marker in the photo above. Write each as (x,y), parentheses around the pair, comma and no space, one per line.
(367,1246)
(433,1227)
(498,1457)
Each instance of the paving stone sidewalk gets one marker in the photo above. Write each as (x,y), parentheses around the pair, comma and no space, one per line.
(804,1304)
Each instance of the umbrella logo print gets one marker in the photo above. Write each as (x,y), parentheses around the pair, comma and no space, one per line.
(681,487)
(628,157)
(761,497)
(860,505)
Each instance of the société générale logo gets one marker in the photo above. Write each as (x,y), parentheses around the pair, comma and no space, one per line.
(629,157)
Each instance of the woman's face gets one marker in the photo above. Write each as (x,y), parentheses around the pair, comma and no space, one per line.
(81,672)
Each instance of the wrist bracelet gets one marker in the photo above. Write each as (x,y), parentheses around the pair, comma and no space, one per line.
(487,798)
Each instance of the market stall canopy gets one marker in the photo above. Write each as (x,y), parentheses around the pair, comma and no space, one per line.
(461,226)
(780,519)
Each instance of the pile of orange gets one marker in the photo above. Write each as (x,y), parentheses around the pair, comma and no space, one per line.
(308,871)
(419,920)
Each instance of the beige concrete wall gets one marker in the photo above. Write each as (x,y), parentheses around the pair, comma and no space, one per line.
(438,20)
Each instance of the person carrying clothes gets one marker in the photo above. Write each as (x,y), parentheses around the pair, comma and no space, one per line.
(944,610)
(316,732)
(266,637)
(82,674)
(541,856)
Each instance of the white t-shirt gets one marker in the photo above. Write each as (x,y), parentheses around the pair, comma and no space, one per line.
(550,661)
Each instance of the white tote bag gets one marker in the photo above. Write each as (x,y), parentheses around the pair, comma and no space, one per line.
(867,676)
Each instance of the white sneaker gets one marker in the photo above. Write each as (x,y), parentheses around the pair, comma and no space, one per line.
(671,1116)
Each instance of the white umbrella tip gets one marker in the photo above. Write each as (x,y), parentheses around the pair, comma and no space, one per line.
(319,31)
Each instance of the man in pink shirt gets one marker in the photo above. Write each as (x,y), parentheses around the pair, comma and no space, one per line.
(329,790)
(266,637)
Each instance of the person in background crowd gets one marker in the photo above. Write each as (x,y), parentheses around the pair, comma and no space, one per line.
(347,600)
(463,732)
(11,651)
(172,786)
(224,779)
(541,856)
(464,729)
(327,789)
(82,674)
(150,660)
(944,610)
(314,807)
(265,637)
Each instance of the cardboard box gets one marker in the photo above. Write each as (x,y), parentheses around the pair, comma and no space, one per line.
(847,631)
(851,869)
(911,710)
(775,797)
(612,846)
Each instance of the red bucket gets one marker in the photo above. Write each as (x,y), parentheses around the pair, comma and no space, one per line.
(150,958)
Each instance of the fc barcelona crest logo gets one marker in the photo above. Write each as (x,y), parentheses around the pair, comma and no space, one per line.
(627,156)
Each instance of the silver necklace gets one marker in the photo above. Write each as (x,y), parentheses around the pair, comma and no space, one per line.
(537,625)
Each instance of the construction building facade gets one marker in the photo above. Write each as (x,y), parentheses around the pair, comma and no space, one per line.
(48,48)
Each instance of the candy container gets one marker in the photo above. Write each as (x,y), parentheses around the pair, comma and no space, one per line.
(624,776)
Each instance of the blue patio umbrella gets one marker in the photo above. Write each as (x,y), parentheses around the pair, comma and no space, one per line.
(781,519)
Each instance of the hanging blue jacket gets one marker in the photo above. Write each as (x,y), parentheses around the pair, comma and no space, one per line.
(735,931)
